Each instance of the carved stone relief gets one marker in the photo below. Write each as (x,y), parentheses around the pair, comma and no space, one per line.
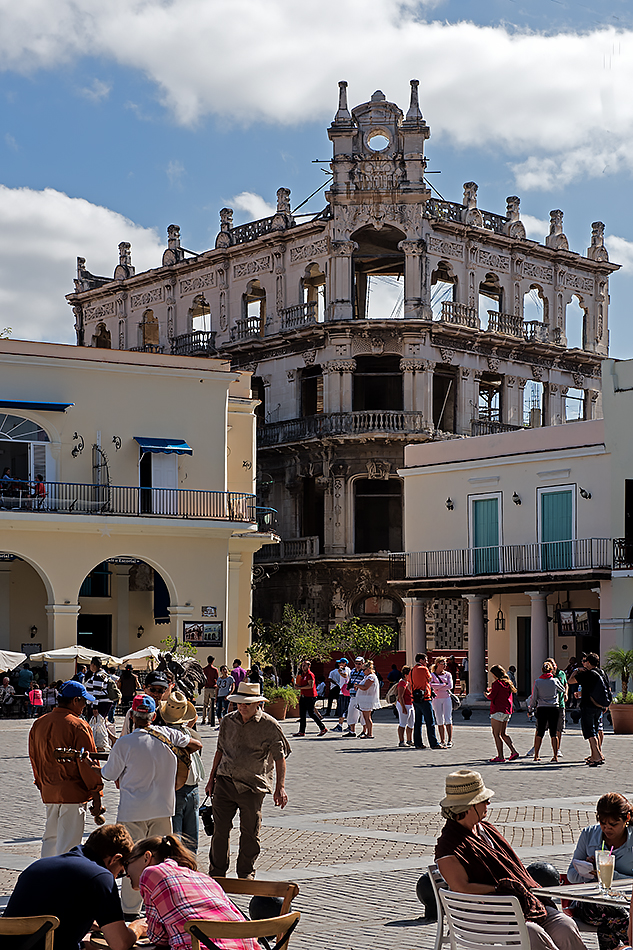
(376,469)
(445,248)
(149,296)
(259,266)
(223,318)
(103,310)
(308,251)
(192,284)
(447,354)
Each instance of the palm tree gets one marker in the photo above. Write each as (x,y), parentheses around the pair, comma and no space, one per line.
(619,663)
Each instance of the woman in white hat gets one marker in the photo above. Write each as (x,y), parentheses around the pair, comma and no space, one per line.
(178,713)
(475,858)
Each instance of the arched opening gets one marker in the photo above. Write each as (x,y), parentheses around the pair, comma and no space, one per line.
(490,297)
(535,305)
(200,314)
(24,455)
(149,329)
(313,288)
(101,337)
(377,383)
(378,273)
(575,324)
(121,601)
(377,515)
(254,307)
(443,288)
(23,600)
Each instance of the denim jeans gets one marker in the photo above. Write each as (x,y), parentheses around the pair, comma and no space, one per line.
(222,706)
(424,710)
(186,817)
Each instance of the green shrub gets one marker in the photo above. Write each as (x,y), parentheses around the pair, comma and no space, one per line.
(281,694)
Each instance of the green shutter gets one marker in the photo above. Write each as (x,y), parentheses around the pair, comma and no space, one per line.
(486,535)
(556,530)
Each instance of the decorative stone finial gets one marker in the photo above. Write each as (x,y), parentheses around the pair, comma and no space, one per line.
(597,251)
(379,96)
(343,113)
(226,219)
(283,200)
(556,238)
(173,236)
(414,105)
(472,215)
(125,254)
(81,267)
(514,227)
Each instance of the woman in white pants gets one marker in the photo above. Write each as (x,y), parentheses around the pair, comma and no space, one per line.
(404,706)
(368,697)
(442,686)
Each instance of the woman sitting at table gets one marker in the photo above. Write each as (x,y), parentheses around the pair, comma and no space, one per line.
(613,832)
(174,892)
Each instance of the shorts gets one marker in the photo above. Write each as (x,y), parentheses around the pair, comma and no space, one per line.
(561,719)
(547,718)
(590,722)
(406,716)
(500,717)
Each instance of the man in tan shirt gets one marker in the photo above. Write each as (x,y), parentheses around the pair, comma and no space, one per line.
(251,749)
(66,786)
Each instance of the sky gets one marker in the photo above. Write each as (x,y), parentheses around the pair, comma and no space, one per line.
(120,118)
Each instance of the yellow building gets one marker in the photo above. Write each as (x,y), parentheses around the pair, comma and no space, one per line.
(127,508)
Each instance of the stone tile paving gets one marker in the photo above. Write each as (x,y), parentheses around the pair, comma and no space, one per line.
(361,821)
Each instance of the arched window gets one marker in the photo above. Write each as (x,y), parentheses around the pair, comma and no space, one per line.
(200,314)
(313,286)
(22,448)
(443,287)
(149,329)
(254,307)
(102,338)
(490,297)
(575,323)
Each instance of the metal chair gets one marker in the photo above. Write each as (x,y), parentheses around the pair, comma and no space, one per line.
(203,931)
(438,882)
(484,922)
(32,929)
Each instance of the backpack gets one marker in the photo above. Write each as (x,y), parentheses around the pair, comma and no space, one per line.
(113,691)
(600,693)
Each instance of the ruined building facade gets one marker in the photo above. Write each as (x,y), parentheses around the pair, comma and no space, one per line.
(390,317)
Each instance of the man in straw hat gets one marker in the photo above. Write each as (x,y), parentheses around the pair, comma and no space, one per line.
(251,746)
(180,714)
(474,858)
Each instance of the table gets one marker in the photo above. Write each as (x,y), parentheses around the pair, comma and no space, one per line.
(590,893)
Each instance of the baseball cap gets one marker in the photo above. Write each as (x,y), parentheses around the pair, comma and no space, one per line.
(71,689)
(360,659)
(143,704)
(342,660)
(156,679)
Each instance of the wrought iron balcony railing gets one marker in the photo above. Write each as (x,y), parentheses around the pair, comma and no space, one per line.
(543,557)
(70,498)
(196,343)
(293,549)
(622,554)
(343,424)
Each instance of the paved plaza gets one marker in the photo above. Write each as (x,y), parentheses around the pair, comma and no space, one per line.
(362,820)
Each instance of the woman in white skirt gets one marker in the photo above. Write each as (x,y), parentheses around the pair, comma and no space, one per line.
(368,698)
(404,706)
(442,686)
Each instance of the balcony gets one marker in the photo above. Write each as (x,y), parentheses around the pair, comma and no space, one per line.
(459,315)
(322,425)
(197,343)
(246,329)
(622,554)
(506,323)
(70,498)
(148,348)
(304,314)
(545,557)
(296,549)
(491,427)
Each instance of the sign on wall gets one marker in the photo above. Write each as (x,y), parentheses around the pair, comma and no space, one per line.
(209,611)
(199,633)
(30,648)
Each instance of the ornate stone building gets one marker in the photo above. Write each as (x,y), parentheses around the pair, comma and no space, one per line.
(391,317)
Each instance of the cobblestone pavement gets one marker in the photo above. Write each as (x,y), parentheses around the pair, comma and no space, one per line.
(362,819)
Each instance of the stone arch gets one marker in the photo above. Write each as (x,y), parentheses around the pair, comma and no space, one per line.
(313,290)
(8,548)
(536,305)
(149,329)
(200,313)
(576,317)
(490,292)
(443,287)
(254,306)
(102,337)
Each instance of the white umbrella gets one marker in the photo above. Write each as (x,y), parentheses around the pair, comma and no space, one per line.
(75,654)
(9,660)
(148,653)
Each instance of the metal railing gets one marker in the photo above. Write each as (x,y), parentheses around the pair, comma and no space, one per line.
(451,211)
(491,427)
(148,348)
(293,549)
(341,424)
(301,315)
(622,554)
(71,498)
(459,314)
(196,343)
(545,556)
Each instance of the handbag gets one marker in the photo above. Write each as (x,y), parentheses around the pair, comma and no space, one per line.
(455,700)
(206,813)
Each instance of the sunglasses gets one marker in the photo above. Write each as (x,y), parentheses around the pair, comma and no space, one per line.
(156,689)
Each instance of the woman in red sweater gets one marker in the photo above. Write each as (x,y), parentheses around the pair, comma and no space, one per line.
(500,695)
(307,684)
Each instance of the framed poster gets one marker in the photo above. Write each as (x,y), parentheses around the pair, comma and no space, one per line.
(202,633)
(209,611)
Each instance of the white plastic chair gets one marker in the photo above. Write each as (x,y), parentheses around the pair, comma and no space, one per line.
(483,921)
(438,882)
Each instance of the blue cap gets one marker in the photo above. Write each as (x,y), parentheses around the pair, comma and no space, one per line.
(71,689)
(342,660)
(144,704)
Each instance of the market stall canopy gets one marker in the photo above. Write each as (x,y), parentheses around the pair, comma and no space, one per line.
(9,660)
(139,658)
(76,653)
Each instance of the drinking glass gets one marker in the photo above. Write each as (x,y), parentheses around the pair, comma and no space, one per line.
(605,866)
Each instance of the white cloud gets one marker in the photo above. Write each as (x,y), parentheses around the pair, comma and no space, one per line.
(175,170)
(621,251)
(10,141)
(558,98)
(254,205)
(535,228)
(41,234)
(97,92)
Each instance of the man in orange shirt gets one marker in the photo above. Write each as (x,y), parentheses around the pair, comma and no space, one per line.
(66,787)
(420,680)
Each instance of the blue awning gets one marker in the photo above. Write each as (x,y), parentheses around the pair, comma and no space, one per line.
(167,446)
(36,406)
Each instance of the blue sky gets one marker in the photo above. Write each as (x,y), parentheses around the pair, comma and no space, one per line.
(118,119)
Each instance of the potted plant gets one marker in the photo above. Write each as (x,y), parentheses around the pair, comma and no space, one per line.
(279,699)
(619,663)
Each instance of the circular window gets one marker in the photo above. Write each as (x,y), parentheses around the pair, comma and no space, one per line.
(377,141)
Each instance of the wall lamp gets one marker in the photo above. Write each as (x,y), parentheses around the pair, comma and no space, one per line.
(449,504)
(33,632)
(140,631)
(78,449)
(500,621)
(584,493)
(516,499)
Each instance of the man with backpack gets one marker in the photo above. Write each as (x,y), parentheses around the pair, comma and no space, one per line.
(595,697)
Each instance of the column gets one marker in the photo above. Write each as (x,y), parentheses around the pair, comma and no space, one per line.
(538,630)
(509,404)
(5,609)
(477,682)
(122,645)
(340,290)
(412,251)
(415,627)
(62,632)
(407,368)
(347,369)
(556,406)
(465,401)
(231,635)
(424,391)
